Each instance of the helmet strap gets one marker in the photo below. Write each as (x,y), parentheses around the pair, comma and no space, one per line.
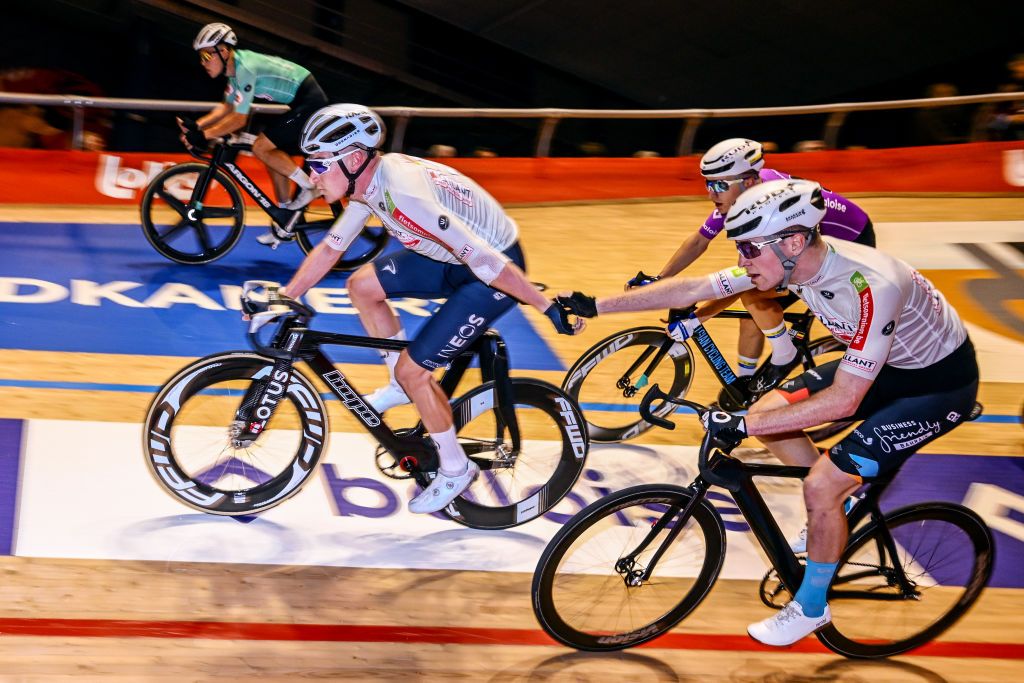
(352,177)
(788,264)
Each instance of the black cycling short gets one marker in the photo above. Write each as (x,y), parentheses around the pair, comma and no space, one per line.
(285,129)
(901,412)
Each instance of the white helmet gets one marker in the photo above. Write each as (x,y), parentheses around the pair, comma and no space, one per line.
(213,35)
(338,126)
(775,206)
(732,157)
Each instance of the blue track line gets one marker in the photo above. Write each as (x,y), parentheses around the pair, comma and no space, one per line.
(152,389)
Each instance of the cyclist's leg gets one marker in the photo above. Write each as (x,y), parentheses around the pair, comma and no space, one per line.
(282,140)
(766,321)
(279,165)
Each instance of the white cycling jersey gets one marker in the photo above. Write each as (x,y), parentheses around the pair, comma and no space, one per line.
(433,210)
(884,310)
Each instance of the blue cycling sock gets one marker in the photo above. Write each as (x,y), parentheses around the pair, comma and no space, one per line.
(811,596)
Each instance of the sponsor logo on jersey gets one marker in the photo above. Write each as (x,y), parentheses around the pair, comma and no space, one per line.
(389,266)
(452,186)
(442,222)
(900,436)
(833,204)
(889,327)
(827,294)
(463,334)
(410,225)
(858,362)
(464,252)
(867,309)
(840,329)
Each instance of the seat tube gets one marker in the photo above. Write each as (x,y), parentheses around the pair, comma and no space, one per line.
(768,534)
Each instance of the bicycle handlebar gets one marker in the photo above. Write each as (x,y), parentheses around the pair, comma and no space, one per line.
(655,393)
(261,313)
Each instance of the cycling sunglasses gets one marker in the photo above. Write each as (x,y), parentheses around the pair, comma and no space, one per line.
(751,250)
(321,166)
(204,57)
(720,186)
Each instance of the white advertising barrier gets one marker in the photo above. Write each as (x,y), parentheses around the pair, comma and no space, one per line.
(87,493)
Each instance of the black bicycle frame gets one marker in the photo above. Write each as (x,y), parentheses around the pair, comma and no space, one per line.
(224,156)
(294,341)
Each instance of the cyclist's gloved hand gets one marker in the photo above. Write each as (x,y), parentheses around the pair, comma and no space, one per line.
(641,279)
(188,124)
(726,429)
(579,304)
(682,329)
(196,140)
(559,317)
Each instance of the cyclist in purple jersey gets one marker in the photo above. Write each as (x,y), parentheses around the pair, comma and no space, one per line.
(731,167)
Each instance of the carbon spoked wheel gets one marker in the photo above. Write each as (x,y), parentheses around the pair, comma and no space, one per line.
(945,551)
(609,388)
(583,595)
(188,445)
(367,245)
(517,485)
(187,228)
(823,350)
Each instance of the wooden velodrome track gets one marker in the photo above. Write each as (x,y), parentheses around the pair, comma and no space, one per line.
(104,620)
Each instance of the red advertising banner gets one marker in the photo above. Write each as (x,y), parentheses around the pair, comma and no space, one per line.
(59,177)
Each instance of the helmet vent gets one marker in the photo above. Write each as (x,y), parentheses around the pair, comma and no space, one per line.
(786,203)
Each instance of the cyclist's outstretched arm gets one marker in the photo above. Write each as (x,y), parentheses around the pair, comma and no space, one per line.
(319,262)
(678,292)
(688,252)
(513,282)
(216,114)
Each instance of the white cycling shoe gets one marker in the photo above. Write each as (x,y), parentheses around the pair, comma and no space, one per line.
(269,239)
(443,490)
(387,397)
(788,626)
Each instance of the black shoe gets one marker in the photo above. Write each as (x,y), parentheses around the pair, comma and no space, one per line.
(726,400)
(770,376)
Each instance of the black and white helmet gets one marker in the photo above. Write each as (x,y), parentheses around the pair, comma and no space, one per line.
(732,157)
(338,126)
(213,35)
(775,206)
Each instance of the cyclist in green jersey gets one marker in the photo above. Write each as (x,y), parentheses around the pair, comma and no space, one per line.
(254,76)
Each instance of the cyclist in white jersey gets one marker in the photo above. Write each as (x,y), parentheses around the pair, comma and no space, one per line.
(461,245)
(254,76)
(909,371)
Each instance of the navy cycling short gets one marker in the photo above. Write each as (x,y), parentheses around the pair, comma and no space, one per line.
(470,308)
(901,412)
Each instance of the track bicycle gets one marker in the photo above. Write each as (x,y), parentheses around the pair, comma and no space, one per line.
(270,425)
(632,565)
(193,212)
(606,380)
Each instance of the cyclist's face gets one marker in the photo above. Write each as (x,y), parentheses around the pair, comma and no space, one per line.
(723,198)
(765,269)
(211,61)
(331,181)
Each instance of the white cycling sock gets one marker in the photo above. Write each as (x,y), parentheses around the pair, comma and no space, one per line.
(745,366)
(453,458)
(391,357)
(301,179)
(783,350)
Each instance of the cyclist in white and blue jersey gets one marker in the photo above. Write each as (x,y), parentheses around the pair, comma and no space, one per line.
(253,76)
(460,246)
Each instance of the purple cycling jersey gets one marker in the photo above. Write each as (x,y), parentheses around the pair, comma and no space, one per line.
(843,219)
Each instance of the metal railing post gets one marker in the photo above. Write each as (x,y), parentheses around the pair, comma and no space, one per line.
(78,126)
(688,135)
(398,134)
(832,125)
(544,136)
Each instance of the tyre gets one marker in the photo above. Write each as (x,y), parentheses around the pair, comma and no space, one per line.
(188,229)
(367,245)
(516,486)
(580,592)
(594,379)
(946,552)
(187,442)
(823,350)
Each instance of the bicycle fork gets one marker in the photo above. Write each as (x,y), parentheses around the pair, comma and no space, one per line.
(259,403)
(635,576)
(624,383)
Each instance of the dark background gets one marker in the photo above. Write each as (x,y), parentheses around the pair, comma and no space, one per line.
(544,53)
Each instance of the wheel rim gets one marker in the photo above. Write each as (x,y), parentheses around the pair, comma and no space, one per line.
(187,231)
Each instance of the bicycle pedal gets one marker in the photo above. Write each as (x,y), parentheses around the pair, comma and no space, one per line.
(390,466)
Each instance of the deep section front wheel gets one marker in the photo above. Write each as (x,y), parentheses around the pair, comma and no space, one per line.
(590,591)
(610,379)
(189,436)
(187,227)
(903,582)
(521,476)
